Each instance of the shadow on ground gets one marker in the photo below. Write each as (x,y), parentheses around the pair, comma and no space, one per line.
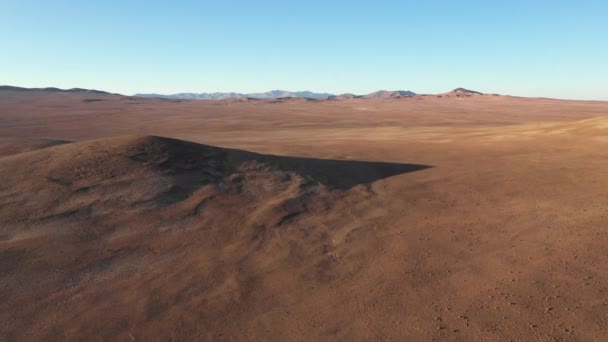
(342,174)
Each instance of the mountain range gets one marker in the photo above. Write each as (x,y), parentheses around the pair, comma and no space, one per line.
(274,94)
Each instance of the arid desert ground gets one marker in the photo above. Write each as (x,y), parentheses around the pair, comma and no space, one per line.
(421,218)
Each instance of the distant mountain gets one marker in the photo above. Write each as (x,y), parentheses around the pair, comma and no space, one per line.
(55,90)
(346,96)
(383,94)
(462,92)
(274,94)
(195,96)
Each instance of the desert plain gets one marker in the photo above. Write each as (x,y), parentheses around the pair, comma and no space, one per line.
(459,217)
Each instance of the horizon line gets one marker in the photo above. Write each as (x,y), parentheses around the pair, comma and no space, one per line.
(149,94)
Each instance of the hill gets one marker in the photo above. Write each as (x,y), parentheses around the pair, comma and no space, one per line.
(461,92)
(53,90)
(196,225)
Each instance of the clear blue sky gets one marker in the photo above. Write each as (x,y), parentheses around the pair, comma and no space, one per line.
(522,47)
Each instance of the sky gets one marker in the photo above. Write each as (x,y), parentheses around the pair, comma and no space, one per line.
(528,48)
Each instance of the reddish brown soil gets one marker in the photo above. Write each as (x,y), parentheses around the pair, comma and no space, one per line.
(422,218)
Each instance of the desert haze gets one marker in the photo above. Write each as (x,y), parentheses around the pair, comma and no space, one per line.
(400,217)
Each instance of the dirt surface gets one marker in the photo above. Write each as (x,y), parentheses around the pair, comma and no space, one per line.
(425,218)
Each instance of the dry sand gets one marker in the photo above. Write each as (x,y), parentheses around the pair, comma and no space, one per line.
(408,219)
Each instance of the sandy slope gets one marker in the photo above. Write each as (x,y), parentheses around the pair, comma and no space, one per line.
(502,237)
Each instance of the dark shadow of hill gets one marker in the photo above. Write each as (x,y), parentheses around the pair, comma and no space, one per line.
(190,161)
(340,174)
(198,164)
